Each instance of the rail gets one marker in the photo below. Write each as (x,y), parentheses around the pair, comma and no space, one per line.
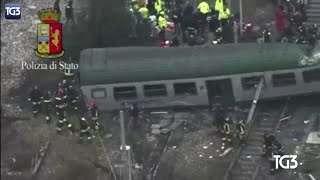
(250,123)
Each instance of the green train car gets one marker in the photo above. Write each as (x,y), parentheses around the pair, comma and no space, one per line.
(194,76)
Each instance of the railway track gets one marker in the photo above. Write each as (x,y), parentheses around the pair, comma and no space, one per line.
(246,162)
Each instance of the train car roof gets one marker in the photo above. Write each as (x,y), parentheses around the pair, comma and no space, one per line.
(136,64)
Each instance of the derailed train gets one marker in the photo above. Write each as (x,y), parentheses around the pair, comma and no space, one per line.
(194,76)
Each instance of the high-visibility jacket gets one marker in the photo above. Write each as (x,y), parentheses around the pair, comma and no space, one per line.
(144,12)
(224,14)
(162,22)
(242,128)
(218,5)
(226,128)
(158,6)
(204,7)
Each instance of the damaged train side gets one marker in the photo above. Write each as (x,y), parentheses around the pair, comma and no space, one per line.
(193,76)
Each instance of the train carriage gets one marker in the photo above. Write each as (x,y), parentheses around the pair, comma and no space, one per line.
(194,76)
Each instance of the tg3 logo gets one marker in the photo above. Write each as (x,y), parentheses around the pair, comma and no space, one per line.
(290,164)
(13,11)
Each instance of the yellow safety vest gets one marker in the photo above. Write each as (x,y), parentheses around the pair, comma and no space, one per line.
(224,14)
(204,7)
(162,22)
(144,12)
(158,6)
(218,5)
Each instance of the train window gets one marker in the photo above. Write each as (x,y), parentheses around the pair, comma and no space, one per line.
(283,79)
(98,93)
(185,88)
(250,82)
(127,92)
(155,90)
(311,75)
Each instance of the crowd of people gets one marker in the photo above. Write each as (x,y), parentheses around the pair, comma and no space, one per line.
(66,101)
(290,23)
(192,25)
(216,24)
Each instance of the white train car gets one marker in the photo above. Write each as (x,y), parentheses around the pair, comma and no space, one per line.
(193,76)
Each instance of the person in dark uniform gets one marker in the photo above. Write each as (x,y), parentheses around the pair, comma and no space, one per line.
(176,18)
(219,117)
(60,96)
(56,6)
(241,128)
(266,35)
(301,35)
(84,129)
(227,134)
(73,97)
(278,147)
(94,111)
(134,111)
(47,105)
(69,12)
(61,113)
(35,97)
(186,20)
(267,144)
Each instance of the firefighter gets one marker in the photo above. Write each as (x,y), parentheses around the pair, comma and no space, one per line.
(203,10)
(60,96)
(134,111)
(241,128)
(272,161)
(35,97)
(218,36)
(61,113)
(224,16)
(94,111)
(56,6)
(69,13)
(47,105)
(227,141)
(266,35)
(267,144)
(84,129)
(301,35)
(219,118)
(158,6)
(73,97)
(162,23)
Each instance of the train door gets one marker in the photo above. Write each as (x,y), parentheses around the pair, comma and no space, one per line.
(220,91)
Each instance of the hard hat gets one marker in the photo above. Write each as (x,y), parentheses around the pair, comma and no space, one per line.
(161,13)
(83,119)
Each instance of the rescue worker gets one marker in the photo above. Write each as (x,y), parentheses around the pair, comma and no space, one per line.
(69,13)
(218,36)
(272,161)
(219,117)
(266,35)
(47,105)
(65,85)
(60,96)
(73,97)
(267,144)
(301,35)
(203,10)
(144,12)
(35,97)
(162,23)
(56,6)
(94,111)
(227,141)
(84,129)
(158,6)
(61,113)
(134,111)
(218,5)
(241,128)
(224,16)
